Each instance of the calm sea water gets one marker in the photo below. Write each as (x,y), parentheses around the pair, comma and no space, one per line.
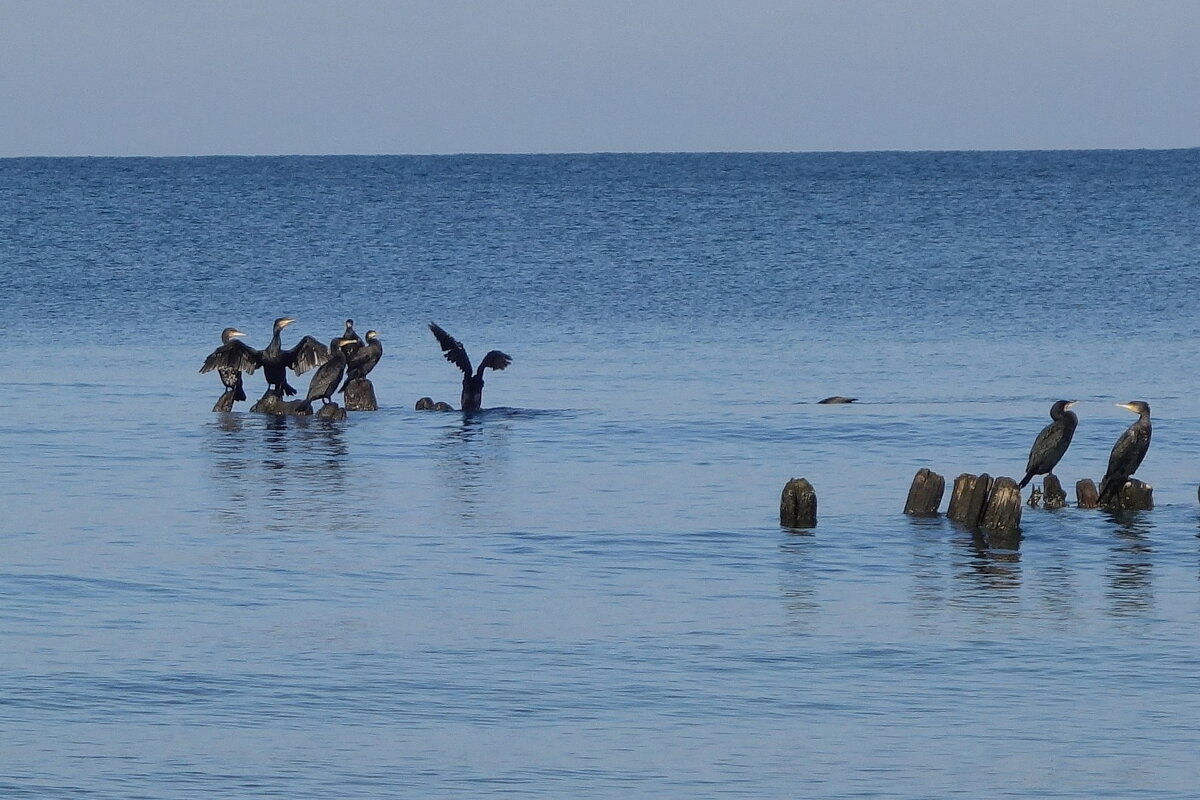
(583,591)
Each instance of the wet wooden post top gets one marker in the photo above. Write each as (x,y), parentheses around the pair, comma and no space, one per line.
(798,505)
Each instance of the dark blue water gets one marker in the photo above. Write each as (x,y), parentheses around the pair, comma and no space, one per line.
(583,591)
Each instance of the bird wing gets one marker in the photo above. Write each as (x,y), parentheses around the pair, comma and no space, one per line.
(452,349)
(307,353)
(235,354)
(365,357)
(494,360)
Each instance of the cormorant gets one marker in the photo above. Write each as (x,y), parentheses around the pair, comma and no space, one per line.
(363,359)
(1127,453)
(276,361)
(353,340)
(326,379)
(1052,442)
(452,349)
(230,360)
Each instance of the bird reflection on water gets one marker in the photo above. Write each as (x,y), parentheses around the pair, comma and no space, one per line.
(1130,570)
(472,459)
(266,468)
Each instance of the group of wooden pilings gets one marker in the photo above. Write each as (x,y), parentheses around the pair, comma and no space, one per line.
(359,396)
(989,505)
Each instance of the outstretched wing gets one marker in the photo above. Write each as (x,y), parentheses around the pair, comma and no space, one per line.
(494,360)
(452,349)
(237,355)
(307,353)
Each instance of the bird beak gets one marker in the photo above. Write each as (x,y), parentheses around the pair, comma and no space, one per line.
(1127,407)
(286,321)
(1072,404)
(236,333)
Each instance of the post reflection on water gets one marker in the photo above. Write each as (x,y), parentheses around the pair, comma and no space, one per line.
(1130,568)
(266,468)
(799,574)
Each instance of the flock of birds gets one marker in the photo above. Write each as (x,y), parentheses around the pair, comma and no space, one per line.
(347,357)
(1126,456)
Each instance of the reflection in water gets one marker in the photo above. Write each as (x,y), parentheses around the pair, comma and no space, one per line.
(267,468)
(928,563)
(992,573)
(1129,573)
(471,457)
(799,588)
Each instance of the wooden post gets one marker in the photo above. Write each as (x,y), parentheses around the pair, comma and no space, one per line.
(969,499)
(425,404)
(1086,495)
(331,411)
(271,403)
(224,402)
(360,395)
(1136,496)
(1053,494)
(925,494)
(798,505)
(1002,516)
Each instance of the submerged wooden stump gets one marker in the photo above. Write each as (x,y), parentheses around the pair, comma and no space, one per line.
(360,395)
(425,404)
(224,402)
(925,494)
(969,499)
(1136,496)
(1053,494)
(1002,515)
(798,505)
(331,411)
(271,403)
(1086,495)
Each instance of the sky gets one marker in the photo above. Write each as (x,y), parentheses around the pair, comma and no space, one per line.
(169,77)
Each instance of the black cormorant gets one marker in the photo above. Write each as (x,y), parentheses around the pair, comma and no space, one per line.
(276,361)
(1127,453)
(327,377)
(352,340)
(230,360)
(363,359)
(452,349)
(1052,442)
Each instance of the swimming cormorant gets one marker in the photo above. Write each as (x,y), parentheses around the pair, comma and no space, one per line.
(363,359)
(230,360)
(1052,442)
(1127,453)
(452,349)
(327,377)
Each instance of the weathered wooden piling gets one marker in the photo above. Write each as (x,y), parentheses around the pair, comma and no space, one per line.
(1086,495)
(271,403)
(425,404)
(360,395)
(969,499)
(1053,494)
(925,494)
(224,402)
(1002,516)
(1136,496)
(331,411)
(798,505)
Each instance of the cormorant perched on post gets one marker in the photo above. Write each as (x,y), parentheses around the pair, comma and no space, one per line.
(452,349)
(1127,453)
(363,359)
(352,340)
(274,360)
(326,379)
(230,360)
(1052,442)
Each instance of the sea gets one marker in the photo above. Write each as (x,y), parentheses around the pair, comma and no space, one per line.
(584,590)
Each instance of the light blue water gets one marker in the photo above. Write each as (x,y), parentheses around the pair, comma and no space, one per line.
(584,591)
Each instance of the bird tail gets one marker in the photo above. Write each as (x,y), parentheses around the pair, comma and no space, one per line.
(1028,477)
(239,393)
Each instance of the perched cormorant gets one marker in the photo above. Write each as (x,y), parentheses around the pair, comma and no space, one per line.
(352,340)
(1127,453)
(276,361)
(230,360)
(452,349)
(327,377)
(1052,442)
(364,359)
